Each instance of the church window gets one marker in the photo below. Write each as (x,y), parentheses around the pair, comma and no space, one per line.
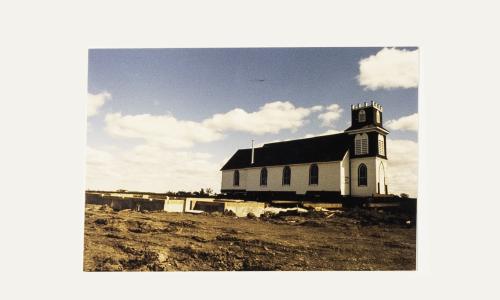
(313,174)
(287,174)
(361,144)
(236,178)
(362,116)
(263,176)
(362,175)
(381,146)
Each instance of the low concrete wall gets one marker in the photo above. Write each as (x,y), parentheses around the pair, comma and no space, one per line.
(241,209)
(174,205)
(191,202)
(178,204)
(121,203)
(137,204)
(208,206)
(118,203)
(97,199)
(151,205)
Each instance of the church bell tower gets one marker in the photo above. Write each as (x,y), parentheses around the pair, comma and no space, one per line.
(368,150)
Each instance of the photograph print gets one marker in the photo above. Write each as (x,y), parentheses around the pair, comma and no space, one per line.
(251,159)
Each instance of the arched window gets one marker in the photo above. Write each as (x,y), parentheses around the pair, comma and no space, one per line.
(362,175)
(263,176)
(313,174)
(236,178)
(362,116)
(377,117)
(287,175)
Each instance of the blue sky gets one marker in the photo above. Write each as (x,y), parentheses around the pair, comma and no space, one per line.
(195,84)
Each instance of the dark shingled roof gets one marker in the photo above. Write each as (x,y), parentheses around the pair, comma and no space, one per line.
(317,149)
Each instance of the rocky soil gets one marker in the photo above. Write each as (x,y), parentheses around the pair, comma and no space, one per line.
(160,241)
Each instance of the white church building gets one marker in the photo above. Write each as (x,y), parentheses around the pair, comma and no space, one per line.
(351,163)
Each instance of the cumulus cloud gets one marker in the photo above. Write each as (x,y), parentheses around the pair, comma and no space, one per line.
(164,130)
(150,168)
(403,166)
(95,102)
(159,163)
(270,118)
(169,132)
(406,123)
(332,114)
(316,108)
(388,69)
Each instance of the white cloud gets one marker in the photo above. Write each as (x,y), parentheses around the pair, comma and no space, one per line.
(406,123)
(389,68)
(332,114)
(95,102)
(402,158)
(169,132)
(151,168)
(316,108)
(164,130)
(159,164)
(270,118)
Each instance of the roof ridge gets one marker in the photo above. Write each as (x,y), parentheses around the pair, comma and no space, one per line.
(307,138)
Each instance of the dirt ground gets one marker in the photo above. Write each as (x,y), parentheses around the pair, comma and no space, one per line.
(160,241)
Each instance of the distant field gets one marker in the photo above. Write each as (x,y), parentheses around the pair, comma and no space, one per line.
(160,241)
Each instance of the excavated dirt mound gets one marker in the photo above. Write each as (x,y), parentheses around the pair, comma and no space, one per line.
(159,241)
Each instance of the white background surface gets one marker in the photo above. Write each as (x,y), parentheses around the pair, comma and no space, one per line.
(43,72)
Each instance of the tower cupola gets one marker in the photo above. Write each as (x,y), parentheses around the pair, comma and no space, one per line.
(364,114)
